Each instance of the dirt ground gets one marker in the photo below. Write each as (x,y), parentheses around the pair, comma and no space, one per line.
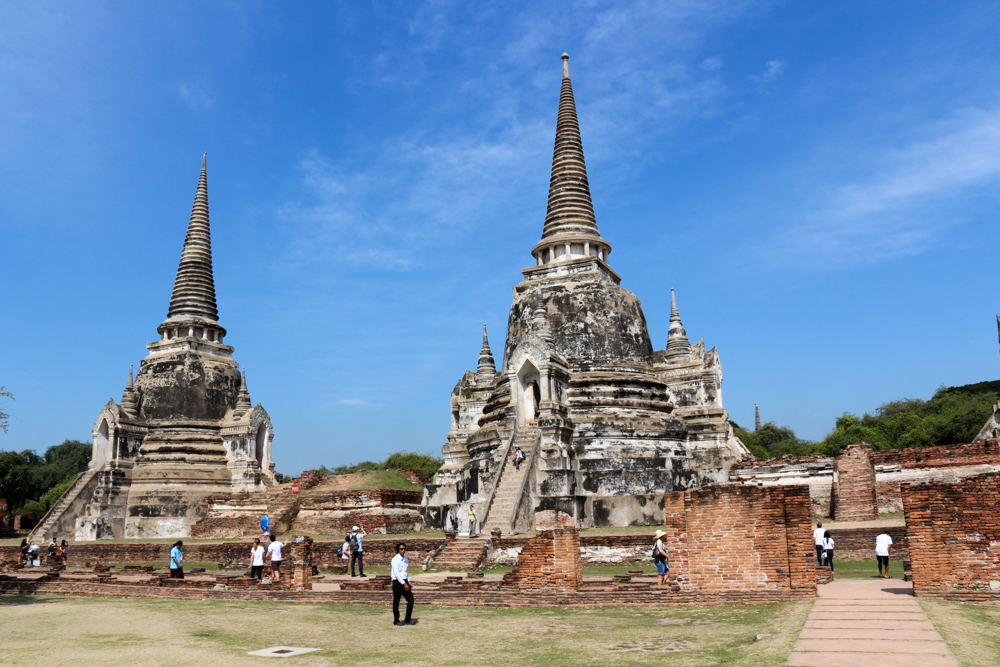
(111,631)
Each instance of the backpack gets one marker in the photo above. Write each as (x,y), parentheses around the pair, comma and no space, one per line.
(354,542)
(657,555)
(340,550)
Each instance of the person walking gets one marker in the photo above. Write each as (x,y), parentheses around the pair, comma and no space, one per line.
(357,549)
(24,550)
(64,549)
(53,547)
(883,543)
(265,525)
(472,520)
(401,586)
(818,541)
(177,561)
(518,457)
(257,560)
(274,552)
(828,550)
(660,558)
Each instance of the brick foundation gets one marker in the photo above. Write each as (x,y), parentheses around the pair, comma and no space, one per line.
(854,489)
(550,559)
(741,538)
(954,538)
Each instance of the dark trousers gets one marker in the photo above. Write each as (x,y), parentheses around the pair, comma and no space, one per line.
(829,559)
(176,573)
(819,554)
(359,557)
(256,572)
(398,590)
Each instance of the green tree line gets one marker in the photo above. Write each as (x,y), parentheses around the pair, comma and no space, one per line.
(31,484)
(953,415)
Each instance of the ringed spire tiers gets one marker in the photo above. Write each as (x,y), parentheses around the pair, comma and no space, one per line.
(570,230)
(486,364)
(193,300)
(677,340)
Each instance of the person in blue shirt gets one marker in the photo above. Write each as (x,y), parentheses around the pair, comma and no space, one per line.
(265,525)
(401,586)
(176,560)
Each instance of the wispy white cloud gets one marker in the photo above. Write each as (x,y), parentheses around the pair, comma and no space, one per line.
(775,68)
(196,97)
(353,402)
(891,211)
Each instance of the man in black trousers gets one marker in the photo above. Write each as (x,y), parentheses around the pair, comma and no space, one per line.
(401,586)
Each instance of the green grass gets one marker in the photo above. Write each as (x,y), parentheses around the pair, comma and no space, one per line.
(864,569)
(972,631)
(382,479)
(110,631)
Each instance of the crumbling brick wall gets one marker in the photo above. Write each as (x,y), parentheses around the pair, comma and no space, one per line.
(945,456)
(953,532)
(550,559)
(378,510)
(854,490)
(728,538)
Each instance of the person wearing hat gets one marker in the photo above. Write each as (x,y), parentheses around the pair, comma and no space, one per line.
(660,558)
(357,550)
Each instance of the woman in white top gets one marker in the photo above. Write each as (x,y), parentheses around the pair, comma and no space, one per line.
(257,560)
(828,549)
(345,550)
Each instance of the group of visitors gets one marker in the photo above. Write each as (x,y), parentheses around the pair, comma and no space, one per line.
(30,552)
(353,550)
(825,544)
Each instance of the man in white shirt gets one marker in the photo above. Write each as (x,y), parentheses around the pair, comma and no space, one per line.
(274,551)
(401,586)
(882,544)
(818,540)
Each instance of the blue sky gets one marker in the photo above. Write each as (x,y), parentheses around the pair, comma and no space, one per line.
(820,182)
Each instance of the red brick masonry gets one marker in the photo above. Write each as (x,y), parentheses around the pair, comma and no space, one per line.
(954,538)
(744,538)
(854,490)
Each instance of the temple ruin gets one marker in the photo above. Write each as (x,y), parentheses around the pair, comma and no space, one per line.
(608,424)
(185,427)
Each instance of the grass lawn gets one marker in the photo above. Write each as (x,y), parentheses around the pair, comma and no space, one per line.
(865,569)
(110,631)
(972,631)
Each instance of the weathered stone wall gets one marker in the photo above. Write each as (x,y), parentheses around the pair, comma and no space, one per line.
(950,463)
(741,538)
(954,538)
(378,510)
(854,489)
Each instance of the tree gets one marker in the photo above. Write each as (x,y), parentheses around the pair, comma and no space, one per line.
(4,417)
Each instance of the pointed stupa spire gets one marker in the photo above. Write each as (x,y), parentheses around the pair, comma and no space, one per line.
(486,364)
(756,417)
(128,396)
(569,218)
(193,299)
(677,340)
(243,402)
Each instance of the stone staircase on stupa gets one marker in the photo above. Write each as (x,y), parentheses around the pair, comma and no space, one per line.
(500,514)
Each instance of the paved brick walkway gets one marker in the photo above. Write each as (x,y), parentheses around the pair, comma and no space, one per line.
(862,623)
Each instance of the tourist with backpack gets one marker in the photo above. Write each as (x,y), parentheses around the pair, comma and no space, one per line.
(357,550)
(660,558)
(518,457)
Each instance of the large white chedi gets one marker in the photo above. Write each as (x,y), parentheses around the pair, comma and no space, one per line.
(608,424)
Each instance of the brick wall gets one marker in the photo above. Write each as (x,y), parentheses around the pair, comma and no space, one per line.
(854,490)
(953,532)
(550,559)
(946,456)
(859,543)
(728,538)
(378,510)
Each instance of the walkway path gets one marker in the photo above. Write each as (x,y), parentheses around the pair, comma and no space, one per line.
(869,622)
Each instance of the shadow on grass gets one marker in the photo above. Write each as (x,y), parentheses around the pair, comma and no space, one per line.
(17,600)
